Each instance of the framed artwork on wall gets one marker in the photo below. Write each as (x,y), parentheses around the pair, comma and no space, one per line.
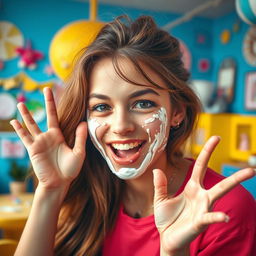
(250,91)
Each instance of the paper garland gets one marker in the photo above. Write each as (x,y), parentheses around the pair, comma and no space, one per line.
(24,82)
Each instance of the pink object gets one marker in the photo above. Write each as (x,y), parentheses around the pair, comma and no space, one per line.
(203,65)
(28,56)
(236,238)
(21,97)
(1,65)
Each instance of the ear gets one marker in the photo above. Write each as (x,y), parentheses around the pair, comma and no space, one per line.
(177,116)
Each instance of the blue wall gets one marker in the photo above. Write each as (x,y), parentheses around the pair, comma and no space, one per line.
(233,49)
(39,20)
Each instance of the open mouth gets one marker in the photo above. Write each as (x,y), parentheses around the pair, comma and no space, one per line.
(126,153)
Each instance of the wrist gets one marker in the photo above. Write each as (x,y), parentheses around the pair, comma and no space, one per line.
(55,195)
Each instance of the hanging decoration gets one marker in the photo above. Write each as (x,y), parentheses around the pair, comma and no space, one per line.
(246,10)
(24,82)
(249,46)
(28,56)
(10,39)
(68,42)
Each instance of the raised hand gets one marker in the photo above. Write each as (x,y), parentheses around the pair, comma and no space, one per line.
(54,162)
(180,219)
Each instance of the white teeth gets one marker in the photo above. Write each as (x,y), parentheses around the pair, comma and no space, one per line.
(125,146)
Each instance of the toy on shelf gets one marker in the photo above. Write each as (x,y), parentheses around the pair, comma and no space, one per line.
(28,56)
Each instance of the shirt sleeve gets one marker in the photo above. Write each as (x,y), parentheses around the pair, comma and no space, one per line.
(238,236)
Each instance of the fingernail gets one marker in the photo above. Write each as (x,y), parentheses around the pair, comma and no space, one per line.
(227,218)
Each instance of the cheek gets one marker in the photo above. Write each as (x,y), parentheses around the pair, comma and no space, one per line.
(152,129)
(97,130)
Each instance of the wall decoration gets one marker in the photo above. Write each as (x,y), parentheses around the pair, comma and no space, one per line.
(225,36)
(186,56)
(7,106)
(226,79)
(250,91)
(249,48)
(28,56)
(1,65)
(246,9)
(37,110)
(10,82)
(236,26)
(25,82)
(12,149)
(21,97)
(202,38)
(10,39)
(203,65)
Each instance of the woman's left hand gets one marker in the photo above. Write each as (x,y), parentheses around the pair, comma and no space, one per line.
(181,219)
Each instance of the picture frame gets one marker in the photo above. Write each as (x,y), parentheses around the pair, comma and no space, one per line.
(250,91)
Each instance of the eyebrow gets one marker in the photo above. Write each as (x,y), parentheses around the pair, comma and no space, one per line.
(133,95)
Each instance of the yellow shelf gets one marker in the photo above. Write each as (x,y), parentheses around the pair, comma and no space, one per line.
(232,128)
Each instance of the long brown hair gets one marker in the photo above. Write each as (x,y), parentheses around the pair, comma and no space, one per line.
(91,205)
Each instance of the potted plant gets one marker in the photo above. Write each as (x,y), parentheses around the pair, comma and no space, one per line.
(18,175)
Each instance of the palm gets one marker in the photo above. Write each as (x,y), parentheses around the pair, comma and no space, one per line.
(180,219)
(53,161)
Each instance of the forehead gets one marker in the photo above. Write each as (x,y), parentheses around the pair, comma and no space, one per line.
(105,74)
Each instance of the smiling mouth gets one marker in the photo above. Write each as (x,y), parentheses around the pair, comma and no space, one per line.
(126,153)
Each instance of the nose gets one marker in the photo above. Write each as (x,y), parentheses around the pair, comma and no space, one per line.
(122,122)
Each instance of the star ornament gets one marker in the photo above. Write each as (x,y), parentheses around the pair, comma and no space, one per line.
(28,56)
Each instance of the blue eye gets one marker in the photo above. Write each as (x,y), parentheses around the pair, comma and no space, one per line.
(101,108)
(144,104)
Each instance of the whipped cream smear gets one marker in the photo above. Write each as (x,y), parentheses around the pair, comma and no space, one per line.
(157,144)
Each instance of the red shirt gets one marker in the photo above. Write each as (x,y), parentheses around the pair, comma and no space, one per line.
(139,237)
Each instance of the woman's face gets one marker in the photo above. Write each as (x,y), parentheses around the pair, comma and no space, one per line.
(128,124)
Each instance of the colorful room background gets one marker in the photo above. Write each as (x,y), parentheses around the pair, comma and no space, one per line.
(33,24)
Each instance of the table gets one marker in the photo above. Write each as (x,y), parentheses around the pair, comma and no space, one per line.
(14,211)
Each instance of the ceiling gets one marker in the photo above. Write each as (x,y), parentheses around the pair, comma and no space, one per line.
(177,6)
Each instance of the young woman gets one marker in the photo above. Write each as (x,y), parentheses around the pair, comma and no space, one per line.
(126,189)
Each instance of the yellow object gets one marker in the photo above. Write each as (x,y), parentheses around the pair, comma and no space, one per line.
(13,215)
(209,125)
(225,36)
(10,39)
(68,42)
(243,127)
(8,247)
(229,127)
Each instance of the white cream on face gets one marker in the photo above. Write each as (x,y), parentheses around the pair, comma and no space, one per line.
(157,145)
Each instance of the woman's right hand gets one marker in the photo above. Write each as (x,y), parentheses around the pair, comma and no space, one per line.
(54,162)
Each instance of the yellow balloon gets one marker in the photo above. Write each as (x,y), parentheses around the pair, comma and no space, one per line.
(68,42)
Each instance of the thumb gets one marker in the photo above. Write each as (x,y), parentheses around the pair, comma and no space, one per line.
(80,140)
(160,185)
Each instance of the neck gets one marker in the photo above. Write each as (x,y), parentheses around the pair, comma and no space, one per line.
(139,192)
